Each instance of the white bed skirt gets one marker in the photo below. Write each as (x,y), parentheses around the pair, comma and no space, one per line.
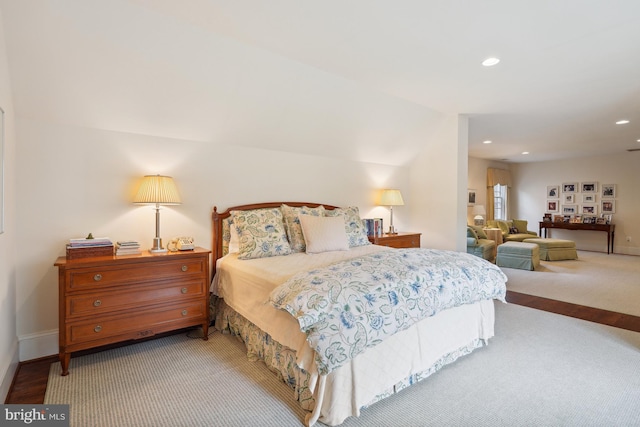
(403,359)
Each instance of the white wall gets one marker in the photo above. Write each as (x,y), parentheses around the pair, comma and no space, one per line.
(8,337)
(531,181)
(97,108)
(439,185)
(478,181)
(74,181)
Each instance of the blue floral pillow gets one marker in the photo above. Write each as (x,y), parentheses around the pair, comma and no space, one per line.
(261,233)
(292,224)
(353,224)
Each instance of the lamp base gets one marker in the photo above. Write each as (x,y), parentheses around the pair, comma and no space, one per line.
(157,246)
(392,230)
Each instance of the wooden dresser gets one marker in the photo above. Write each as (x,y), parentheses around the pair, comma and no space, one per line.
(104,300)
(400,240)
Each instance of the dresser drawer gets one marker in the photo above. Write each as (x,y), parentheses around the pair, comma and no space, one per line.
(89,304)
(106,300)
(136,324)
(406,242)
(100,277)
(400,240)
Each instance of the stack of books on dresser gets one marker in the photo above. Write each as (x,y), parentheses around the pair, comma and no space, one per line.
(128,247)
(86,248)
(373,226)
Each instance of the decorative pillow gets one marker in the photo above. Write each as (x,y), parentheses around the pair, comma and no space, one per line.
(354,226)
(479,231)
(520,225)
(226,235)
(513,230)
(292,224)
(471,233)
(261,233)
(503,226)
(323,234)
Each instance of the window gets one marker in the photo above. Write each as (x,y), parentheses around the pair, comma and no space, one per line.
(500,201)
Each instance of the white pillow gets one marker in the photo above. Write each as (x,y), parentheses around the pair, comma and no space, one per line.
(234,241)
(323,234)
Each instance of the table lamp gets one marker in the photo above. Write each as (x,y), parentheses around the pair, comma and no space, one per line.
(479,212)
(158,190)
(391,198)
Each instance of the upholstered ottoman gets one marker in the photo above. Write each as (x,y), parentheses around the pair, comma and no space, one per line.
(555,249)
(524,256)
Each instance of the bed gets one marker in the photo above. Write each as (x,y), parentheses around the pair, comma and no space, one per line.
(343,322)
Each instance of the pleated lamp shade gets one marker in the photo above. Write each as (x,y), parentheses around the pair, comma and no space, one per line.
(391,198)
(157,189)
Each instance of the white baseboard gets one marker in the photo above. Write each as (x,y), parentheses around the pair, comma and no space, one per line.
(627,250)
(41,344)
(7,378)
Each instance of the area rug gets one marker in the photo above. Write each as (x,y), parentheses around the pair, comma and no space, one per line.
(609,282)
(541,369)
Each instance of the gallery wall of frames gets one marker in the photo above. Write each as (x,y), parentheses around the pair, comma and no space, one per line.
(585,202)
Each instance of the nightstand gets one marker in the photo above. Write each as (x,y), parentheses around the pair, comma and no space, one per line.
(400,240)
(109,299)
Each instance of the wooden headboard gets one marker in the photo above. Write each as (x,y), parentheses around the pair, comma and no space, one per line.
(218,217)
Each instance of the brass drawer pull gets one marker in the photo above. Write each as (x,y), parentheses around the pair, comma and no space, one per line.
(97,303)
(97,328)
(183,290)
(185,268)
(97,277)
(184,312)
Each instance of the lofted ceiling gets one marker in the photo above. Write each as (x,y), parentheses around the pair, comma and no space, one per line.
(350,78)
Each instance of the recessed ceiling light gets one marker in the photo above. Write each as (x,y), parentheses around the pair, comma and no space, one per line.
(487,142)
(525,152)
(622,122)
(490,62)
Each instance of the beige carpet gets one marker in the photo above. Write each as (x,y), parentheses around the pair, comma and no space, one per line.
(541,369)
(610,282)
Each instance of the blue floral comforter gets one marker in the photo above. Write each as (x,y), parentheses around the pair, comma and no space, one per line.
(352,305)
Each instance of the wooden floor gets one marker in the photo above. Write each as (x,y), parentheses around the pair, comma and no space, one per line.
(30,382)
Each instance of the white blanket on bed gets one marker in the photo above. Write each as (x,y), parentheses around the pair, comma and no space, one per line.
(245,285)
(349,306)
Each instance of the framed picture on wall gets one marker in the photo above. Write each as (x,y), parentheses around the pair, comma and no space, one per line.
(589,209)
(608,206)
(588,198)
(552,205)
(471,197)
(608,191)
(553,191)
(569,187)
(569,209)
(589,187)
(568,198)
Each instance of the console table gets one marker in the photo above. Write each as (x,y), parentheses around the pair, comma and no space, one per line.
(610,229)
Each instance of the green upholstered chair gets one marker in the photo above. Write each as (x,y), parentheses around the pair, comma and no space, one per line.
(514,230)
(479,245)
